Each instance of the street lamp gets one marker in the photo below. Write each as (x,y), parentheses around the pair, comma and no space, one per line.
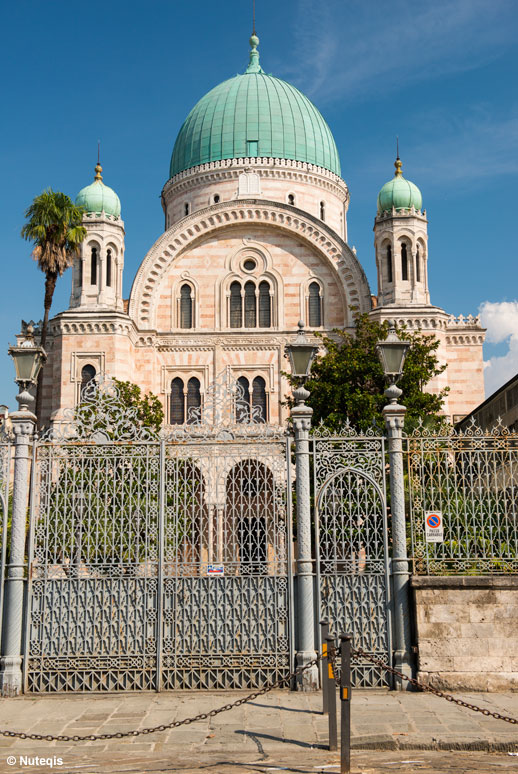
(392,352)
(28,360)
(301,354)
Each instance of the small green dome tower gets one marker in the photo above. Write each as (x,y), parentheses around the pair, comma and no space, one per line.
(399,193)
(98,197)
(254,115)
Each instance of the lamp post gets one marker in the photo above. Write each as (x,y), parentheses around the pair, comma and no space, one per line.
(392,352)
(28,360)
(301,354)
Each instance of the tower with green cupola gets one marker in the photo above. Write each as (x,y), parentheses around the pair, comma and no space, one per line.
(97,271)
(401,243)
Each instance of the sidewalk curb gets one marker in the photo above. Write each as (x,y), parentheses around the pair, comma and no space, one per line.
(388,742)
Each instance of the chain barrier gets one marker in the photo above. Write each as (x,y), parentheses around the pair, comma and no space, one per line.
(165,726)
(430,689)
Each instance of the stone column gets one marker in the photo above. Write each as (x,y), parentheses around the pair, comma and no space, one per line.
(23,424)
(394,420)
(301,415)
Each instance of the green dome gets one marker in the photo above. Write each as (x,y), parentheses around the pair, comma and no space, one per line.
(98,197)
(399,193)
(254,115)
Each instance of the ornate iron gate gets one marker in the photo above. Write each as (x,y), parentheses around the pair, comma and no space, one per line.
(352,544)
(159,563)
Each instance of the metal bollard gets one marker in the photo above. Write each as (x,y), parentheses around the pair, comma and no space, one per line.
(331,695)
(345,703)
(324,631)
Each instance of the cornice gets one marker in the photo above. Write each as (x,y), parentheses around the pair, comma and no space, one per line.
(241,212)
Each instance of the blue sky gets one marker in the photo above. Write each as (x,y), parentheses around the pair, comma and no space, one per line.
(439,74)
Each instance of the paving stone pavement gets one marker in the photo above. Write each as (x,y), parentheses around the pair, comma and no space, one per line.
(279,731)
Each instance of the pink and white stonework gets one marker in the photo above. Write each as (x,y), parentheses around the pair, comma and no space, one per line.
(278,228)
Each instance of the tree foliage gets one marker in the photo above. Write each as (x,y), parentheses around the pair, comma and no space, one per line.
(347,381)
(149,409)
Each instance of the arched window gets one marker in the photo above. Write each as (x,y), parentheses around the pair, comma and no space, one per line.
(186,307)
(315,306)
(108,268)
(404,262)
(243,401)
(236,307)
(193,399)
(389,264)
(87,374)
(80,280)
(186,208)
(418,265)
(291,200)
(250,306)
(93,267)
(177,409)
(216,198)
(265,312)
(259,399)
(322,210)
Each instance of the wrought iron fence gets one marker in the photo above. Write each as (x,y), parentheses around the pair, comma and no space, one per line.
(469,480)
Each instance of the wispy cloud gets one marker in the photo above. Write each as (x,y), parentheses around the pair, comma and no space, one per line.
(501,320)
(354,49)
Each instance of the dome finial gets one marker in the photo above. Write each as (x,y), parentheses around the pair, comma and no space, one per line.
(98,168)
(253,65)
(397,162)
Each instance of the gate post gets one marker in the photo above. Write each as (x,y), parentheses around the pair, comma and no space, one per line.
(23,424)
(394,420)
(301,415)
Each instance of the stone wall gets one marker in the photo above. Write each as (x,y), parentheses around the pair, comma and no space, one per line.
(467,632)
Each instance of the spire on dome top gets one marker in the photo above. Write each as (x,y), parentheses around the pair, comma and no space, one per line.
(253,65)
(98,170)
(397,162)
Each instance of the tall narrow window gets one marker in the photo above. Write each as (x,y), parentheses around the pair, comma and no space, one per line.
(389,264)
(315,306)
(193,399)
(186,208)
(186,307)
(291,199)
(243,400)
(259,399)
(80,280)
(265,312)
(322,210)
(235,305)
(404,262)
(93,267)
(108,268)
(250,306)
(87,374)
(177,408)
(418,265)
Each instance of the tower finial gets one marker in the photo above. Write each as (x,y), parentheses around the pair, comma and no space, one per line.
(253,17)
(397,162)
(98,168)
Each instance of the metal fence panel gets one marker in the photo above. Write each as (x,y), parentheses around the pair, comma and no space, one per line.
(471,478)
(351,539)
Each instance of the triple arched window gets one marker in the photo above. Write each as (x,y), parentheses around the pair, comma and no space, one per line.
(252,403)
(250,305)
(185,402)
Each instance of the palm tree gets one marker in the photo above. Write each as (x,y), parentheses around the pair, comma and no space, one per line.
(54,224)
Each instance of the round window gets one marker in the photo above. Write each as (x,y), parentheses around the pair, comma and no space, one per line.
(249,264)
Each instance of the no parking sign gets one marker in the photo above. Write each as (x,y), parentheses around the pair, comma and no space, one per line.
(434,531)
